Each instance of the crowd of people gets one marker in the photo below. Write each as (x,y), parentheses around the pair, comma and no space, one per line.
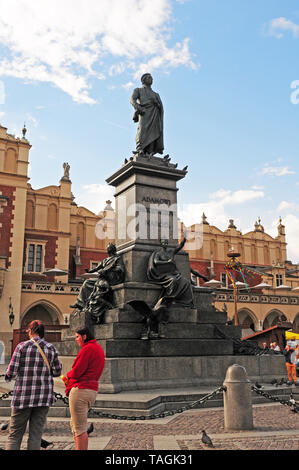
(291,355)
(33,365)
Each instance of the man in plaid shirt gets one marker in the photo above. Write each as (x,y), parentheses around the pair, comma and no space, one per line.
(34,388)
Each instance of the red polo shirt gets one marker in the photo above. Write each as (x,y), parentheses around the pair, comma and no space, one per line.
(87,367)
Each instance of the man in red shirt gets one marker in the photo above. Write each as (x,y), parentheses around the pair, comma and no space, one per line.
(82,384)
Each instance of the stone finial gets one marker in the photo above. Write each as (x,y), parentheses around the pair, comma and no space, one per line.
(108,206)
(281,227)
(258,226)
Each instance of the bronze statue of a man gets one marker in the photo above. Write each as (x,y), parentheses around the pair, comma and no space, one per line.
(111,270)
(149,114)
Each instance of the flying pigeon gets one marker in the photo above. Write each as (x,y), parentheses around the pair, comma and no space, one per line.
(206,440)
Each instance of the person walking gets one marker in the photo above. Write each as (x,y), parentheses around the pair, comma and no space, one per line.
(290,359)
(34,363)
(82,383)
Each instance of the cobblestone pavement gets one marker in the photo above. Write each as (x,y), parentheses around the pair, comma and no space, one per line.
(275,428)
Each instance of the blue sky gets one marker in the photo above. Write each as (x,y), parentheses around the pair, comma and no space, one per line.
(223,69)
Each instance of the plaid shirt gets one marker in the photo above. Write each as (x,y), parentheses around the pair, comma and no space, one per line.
(34,384)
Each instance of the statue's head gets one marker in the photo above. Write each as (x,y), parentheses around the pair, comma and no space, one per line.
(146,79)
(164,242)
(111,249)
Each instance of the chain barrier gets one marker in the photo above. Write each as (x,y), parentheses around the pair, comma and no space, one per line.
(291,402)
(163,414)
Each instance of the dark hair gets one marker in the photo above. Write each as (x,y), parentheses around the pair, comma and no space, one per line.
(36,326)
(85,331)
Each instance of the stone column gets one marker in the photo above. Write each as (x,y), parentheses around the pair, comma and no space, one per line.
(237,400)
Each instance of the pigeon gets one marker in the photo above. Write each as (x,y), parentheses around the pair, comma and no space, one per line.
(258,385)
(90,429)
(206,440)
(281,382)
(44,444)
(4,426)
(273,382)
(126,161)
(185,168)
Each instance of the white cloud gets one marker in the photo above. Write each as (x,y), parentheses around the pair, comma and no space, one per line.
(128,85)
(32,120)
(278,26)
(216,208)
(2,92)
(277,171)
(67,43)
(94,196)
(290,218)
(291,222)
(287,206)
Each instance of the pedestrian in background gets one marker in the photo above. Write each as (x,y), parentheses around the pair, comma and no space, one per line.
(290,358)
(82,383)
(34,363)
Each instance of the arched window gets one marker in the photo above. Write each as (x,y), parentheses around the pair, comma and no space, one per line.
(52,217)
(29,223)
(10,163)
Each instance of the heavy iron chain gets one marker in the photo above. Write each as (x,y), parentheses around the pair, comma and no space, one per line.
(164,413)
(290,402)
(101,414)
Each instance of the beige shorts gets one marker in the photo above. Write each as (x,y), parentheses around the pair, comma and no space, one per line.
(80,401)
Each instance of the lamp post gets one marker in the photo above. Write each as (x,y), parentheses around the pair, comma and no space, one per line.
(233,255)
(11,316)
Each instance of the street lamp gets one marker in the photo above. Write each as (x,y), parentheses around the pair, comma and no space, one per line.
(233,255)
(11,316)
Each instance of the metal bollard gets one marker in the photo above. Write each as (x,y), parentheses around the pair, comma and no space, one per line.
(237,399)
